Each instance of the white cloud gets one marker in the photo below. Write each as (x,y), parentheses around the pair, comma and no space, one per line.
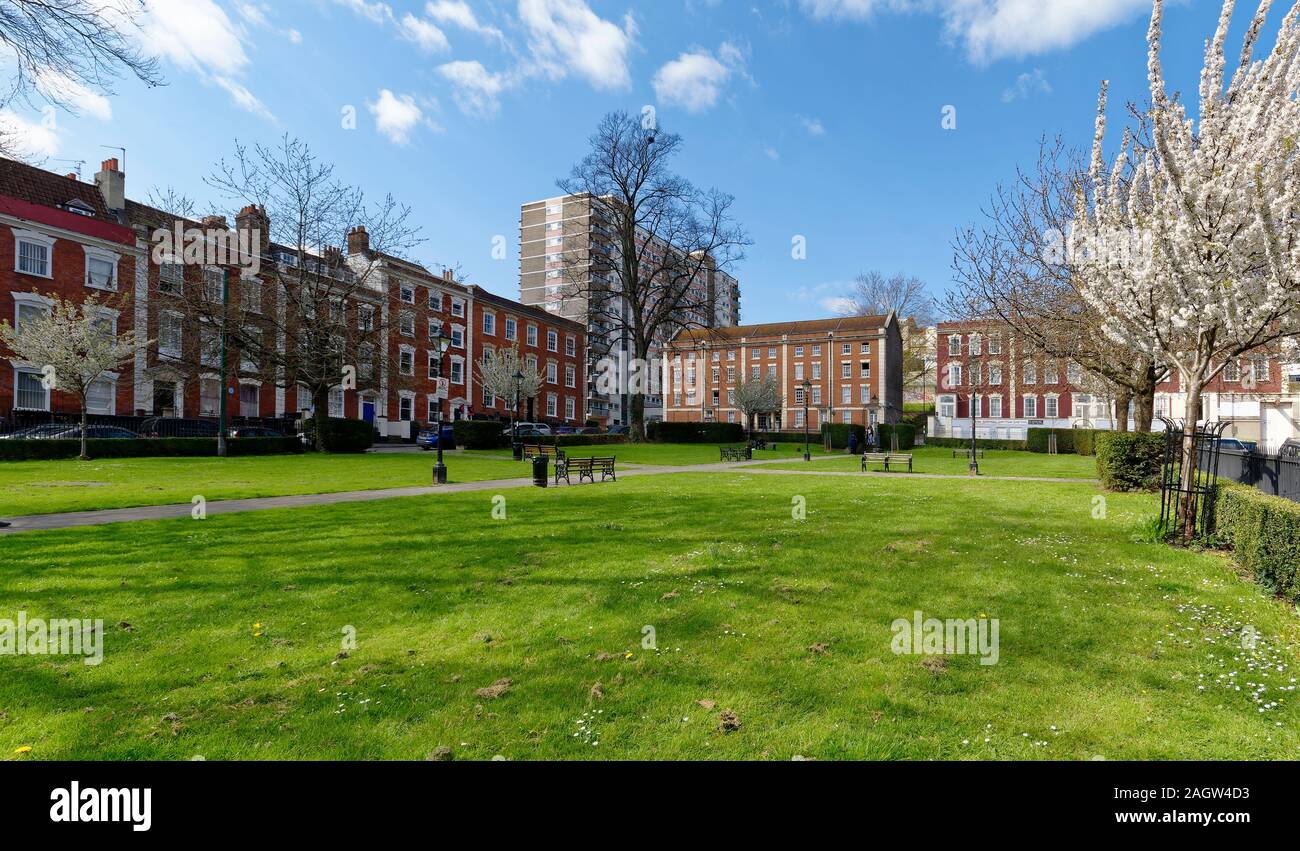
(255,15)
(375,11)
(1027,84)
(28,139)
(837,305)
(242,97)
(814,126)
(476,90)
(996,29)
(458,13)
(295,37)
(396,116)
(424,33)
(695,80)
(771,153)
(61,89)
(565,37)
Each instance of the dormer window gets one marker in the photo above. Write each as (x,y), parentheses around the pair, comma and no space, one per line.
(81,208)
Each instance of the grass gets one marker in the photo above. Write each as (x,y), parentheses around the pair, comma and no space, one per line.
(672,454)
(41,487)
(224,636)
(996,462)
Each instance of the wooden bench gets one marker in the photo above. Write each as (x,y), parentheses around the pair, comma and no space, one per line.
(759,444)
(887,458)
(736,453)
(586,468)
(538,450)
(979,453)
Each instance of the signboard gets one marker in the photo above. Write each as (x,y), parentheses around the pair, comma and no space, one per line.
(444,387)
(1037,422)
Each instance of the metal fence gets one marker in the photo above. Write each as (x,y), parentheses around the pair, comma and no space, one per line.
(37,425)
(1276,475)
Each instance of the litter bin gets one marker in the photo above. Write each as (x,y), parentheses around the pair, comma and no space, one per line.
(540,475)
(518,449)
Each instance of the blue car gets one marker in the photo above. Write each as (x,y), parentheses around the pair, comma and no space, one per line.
(428,438)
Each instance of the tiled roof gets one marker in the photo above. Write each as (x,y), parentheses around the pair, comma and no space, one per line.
(38,186)
(838,325)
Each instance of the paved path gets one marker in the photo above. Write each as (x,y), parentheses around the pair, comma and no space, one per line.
(66,520)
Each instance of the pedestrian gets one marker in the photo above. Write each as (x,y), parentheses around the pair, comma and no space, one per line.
(853,442)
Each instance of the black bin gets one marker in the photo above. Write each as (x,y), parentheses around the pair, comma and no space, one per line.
(540,472)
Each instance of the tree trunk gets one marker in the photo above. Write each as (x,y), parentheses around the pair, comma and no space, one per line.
(85,456)
(636,433)
(320,401)
(1144,408)
(1123,398)
(1187,499)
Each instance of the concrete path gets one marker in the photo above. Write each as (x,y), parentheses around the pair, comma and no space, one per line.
(67,520)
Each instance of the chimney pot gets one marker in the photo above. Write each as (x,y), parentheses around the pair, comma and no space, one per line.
(72,175)
(109,165)
(358,240)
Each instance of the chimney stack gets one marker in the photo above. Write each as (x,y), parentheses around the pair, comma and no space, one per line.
(112,185)
(253,219)
(72,175)
(358,241)
(215,222)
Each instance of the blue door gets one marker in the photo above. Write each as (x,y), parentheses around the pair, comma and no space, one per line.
(368,411)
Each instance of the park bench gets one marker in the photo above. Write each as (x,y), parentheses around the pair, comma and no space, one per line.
(979,453)
(887,458)
(759,444)
(586,468)
(540,450)
(736,453)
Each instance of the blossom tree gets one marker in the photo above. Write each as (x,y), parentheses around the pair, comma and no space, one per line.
(1192,233)
(497,370)
(74,344)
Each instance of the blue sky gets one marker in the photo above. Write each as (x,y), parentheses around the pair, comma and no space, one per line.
(822,117)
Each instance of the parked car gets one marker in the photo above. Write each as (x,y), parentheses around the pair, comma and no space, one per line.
(619,430)
(541,428)
(590,430)
(429,438)
(1236,445)
(254,431)
(94,432)
(44,431)
(531,431)
(177,427)
(565,430)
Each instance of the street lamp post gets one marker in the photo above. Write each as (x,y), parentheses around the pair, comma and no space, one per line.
(807,389)
(515,446)
(441,342)
(974,424)
(225,391)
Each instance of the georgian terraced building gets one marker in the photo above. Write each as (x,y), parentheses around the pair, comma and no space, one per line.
(61,236)
(853,365)
(983,368)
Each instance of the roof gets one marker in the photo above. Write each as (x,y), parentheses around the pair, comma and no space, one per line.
(38,186)
(837,325)
(525,309)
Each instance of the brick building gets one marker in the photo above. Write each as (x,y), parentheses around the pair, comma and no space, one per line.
(1014,387)
(73,238)
(853,364)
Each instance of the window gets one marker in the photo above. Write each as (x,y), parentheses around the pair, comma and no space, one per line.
(716,376)
(101,271)
(1051,407)
(995,344)
(846,395)
(406,361)
(457,372)
(731,355)
(1031,373)
(532,335)
(435,300)
(250,298)
(866,394)
(336,402)
(846,370)
(731,398)
(551,372)
(365,361)
(213,283)
(948,406)
(846,416)
(171,277)
(757,354)
(798,395)
(29,312)
(846,349)
(209,344)
(407,294)
(771,370)
(731,374)
(690,375)
(1051,374)
(976,374)
(34,256)
(457,337)
(569,408)
(550,405)
(995,374)
(457,307)
(571,345)
(817,351)
(755,371)
(435,365)
(32,394)
(570,376)
(798,372)
(169,334)
(866,347)
(864,369)
(1074,374)
(771,352)
(816,395)
(248,351)
(210,397)
(954,375)
(976,344)
(490,324)
(1232,371)
(1031,407)
(717,357)
(366,317)
(489,401)
(954,346)
(995,402)
(552,341)
(434,327)
(435,409)
(248,394)
(798,418)
(817,371)
(99,397)
(798,351)
(512,329)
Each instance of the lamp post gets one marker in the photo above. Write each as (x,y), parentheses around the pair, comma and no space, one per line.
(225,391)
(515,446)
(441,342)
(807,389)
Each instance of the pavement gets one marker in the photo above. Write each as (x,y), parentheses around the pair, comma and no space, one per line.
(73,519)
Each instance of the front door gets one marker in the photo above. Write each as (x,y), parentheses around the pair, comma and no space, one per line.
(368,410)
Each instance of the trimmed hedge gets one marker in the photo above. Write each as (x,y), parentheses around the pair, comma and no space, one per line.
(666,432)
(342,436)
(1130,461)
(1264,533)
(906,435)
(984,443)
(840,432)
(480,434)
(1069,441)
(787,436)
(158,447)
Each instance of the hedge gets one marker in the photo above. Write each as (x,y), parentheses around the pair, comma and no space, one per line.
(788,436)
(160,447)
(1264,534)
(666,432)
(984,443)
(480,434)
(906,435)
(342,436)
(1130,461)
(840,432)
(1069,441)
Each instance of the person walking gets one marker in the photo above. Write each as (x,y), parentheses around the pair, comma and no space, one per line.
(853,442)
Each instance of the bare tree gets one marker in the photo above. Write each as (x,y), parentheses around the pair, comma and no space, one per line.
(74,344)
(906,296)
(310,302)
(656,240)
(62,48)
(173,202)
(1019,265)
(756,396)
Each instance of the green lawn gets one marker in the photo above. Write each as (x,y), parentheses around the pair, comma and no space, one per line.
(671,454)
(40,487)
(939,460)
(224,635)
